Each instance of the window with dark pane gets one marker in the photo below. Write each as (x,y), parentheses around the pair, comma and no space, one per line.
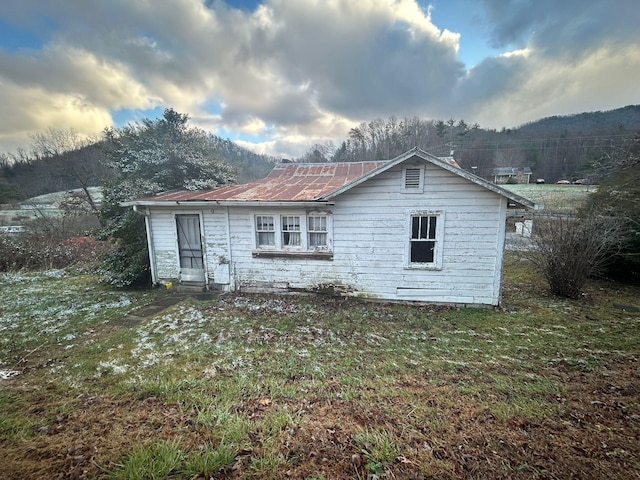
(423,238)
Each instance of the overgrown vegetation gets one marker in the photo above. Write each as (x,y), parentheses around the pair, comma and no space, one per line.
(618,197)
(593,235)
(568,250)
(251,386)
(37,252)
(55,240)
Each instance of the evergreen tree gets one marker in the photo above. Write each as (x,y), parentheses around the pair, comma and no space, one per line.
(151,157)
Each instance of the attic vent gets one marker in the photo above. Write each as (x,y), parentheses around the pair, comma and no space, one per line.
(413,179)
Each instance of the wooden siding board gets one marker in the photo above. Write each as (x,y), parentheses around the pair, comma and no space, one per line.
(218,257)
(469,245)
(165,245)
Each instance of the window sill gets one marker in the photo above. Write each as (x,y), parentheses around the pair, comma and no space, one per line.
(306,255)
(427,266)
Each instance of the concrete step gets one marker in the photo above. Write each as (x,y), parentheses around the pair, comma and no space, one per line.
(190,287)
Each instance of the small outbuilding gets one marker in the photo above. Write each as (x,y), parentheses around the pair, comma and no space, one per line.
(416,228)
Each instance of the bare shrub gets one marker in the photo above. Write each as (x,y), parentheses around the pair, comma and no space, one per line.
(37,252)
(567,250)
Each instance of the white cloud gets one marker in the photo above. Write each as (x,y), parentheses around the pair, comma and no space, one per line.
(29,110)
(301,72)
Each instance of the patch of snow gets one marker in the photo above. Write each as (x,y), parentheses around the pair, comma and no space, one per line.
(112,367)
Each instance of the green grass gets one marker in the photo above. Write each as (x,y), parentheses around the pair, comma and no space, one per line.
(261,385)
(154,462)
(378,449)
(555,198)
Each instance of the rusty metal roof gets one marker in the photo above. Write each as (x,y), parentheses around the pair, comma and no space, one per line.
(287,182)
(450,160)
(313,182)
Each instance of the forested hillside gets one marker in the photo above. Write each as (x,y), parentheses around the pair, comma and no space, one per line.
(68,165)
(568,147)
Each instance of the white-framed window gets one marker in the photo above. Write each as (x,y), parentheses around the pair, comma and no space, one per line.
(413,179)
(317,231)
(294,232)
(426,232)
(265,231)
(290,226)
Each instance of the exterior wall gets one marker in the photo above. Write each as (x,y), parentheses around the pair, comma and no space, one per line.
(259,273)
(372,223)
(216,248)
(214,234)
(370,243)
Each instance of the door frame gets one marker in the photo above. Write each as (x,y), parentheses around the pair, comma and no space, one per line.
(205,278)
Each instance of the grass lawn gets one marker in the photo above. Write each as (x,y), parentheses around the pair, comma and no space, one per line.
(93,385)
(555,198)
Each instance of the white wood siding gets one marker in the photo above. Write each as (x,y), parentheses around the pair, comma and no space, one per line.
(250,272)
(472,253)
(165,245)
(216,244)
(370,241)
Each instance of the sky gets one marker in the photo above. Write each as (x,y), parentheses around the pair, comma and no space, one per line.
(278,76)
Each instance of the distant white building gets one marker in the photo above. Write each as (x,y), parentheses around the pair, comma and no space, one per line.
(502,175)
(5,229)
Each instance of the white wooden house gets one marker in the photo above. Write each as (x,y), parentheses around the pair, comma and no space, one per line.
(413,228)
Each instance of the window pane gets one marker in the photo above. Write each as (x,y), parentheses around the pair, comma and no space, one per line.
(432,228)
(290,231)
(424,225)
(264,223)
(317,239)
(415,227)
(317,224)
(422,252)
(290,224)
(290,238)
(266,238)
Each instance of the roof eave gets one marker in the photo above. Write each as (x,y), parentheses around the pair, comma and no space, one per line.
(225,203)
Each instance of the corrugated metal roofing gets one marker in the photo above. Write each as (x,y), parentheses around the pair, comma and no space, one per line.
(312,182)
(295,182)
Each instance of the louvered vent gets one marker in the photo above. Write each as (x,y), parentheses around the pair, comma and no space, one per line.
(412,178)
